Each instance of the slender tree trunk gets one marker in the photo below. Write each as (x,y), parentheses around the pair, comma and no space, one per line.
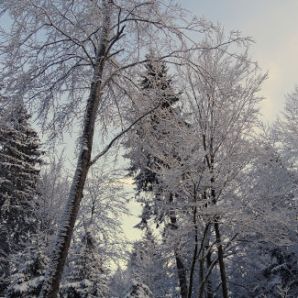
(195,253)
(194,258)
(204,278)
(223,275)
(182,276)
(201,273)
(181,271)
(57,261)
(4,259)
(209,282)
(224,280)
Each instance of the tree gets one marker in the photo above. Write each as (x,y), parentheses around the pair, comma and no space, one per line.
(53,187)
(148,265)
(263,258)
(81,64)
(221,89)
(20,157)
(199,159)
(88,275)
(157,131)
(139,290)
(285,127)
(28,274)
(98,239)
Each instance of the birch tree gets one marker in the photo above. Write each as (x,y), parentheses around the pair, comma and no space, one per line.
(223,96)
(74,62)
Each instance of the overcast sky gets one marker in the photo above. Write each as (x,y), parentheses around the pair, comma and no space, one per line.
(273,24)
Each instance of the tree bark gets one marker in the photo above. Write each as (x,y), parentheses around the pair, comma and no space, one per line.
(223,276)
(181,271)
(196,246)
(209,282)
(4,259)
(204,278)
(182,276)
(57,261)
(224,283)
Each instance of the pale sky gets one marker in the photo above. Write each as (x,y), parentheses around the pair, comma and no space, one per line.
(273,24)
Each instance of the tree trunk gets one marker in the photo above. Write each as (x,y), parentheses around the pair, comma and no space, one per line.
(224,281)
(181,276)
(209,282)
(201,274)
(223,276)
(60,251)
(204,278)
(181,271)
(195,253)
(4,259)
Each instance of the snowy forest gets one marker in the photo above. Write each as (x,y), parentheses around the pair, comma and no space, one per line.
(108,102)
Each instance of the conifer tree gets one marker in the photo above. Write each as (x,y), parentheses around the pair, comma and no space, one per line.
(88,274)
(157,91)
(20,157)
(28,273)
(152,147)
(139,290)
(148,265)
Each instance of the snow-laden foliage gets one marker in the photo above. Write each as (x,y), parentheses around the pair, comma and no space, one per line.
(286,127)
(152,146)
(20,159)
(88,273)
(27,277)
(148,265)
(53,187)
(82,65)
(221,192)
(102,211)
(98,239)
(138,290)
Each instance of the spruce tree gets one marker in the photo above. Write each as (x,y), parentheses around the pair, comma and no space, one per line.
(139,290)
(148,265)
(153,146)
(20,157)
(88,274)
(28,273)
(157,90)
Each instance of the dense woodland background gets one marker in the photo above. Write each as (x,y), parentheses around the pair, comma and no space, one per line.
(154,95)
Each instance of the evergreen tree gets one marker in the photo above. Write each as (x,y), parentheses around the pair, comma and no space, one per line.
(153,146)
(148,265)
(20,156)
(157,90)
(139,290)
(28,274)
(88,275)
(119,282)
